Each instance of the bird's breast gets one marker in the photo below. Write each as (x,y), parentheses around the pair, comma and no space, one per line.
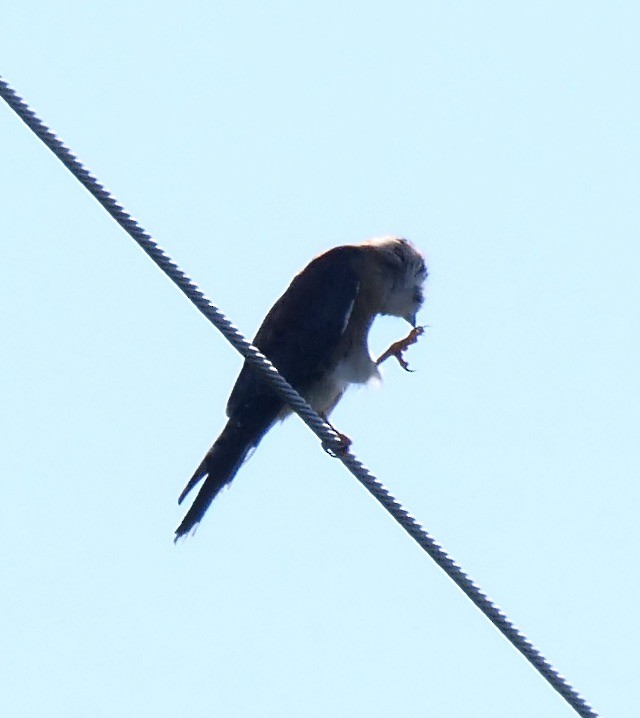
(355,367)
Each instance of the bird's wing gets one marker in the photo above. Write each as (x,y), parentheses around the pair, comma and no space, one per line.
(302,330)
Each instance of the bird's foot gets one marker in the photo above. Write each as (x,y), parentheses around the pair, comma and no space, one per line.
(345,441)
(398,348)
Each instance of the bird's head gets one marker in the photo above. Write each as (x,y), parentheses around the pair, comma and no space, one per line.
(402,272)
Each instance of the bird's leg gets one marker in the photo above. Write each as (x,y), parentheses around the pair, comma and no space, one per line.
(344,439)
(398,348)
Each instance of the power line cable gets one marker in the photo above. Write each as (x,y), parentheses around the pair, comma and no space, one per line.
(329,438)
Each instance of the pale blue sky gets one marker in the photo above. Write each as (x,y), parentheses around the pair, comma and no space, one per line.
(502,138)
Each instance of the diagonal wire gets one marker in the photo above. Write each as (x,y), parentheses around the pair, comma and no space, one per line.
(329,438)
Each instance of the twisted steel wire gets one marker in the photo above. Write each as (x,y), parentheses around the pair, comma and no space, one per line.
(329,438)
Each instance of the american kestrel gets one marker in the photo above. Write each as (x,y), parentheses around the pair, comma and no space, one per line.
(316,336)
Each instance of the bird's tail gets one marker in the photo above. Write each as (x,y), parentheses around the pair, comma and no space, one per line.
(219,467)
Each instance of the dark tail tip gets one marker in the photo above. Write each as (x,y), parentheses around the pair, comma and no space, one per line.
(197,477)
(183,530)
(189,525)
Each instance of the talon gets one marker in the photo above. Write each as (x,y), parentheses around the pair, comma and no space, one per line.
(398,348)
(345,441)
(402,361)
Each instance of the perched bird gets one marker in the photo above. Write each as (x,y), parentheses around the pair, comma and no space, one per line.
(316,336)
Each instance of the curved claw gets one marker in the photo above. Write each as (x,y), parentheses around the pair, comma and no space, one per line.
(398,348)
(345,441)
(345,444)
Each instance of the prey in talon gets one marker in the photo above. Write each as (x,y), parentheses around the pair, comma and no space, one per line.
(316,335)
(398,348)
